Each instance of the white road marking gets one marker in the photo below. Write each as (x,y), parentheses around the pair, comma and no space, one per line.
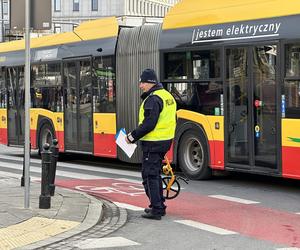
(130,189)
(105,243)
(58,172)
(297,213)
(17,176)
(206,227)
(234,199)
(128,206)
(75,166)
(288,248)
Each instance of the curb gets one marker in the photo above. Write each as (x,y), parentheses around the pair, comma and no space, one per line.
(93,216)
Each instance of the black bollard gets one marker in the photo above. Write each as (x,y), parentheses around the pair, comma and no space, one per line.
(45,199)
(52,171)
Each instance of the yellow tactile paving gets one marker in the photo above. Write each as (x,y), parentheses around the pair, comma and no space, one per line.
(32,230)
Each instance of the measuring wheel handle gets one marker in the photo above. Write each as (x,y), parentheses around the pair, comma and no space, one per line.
(182,178)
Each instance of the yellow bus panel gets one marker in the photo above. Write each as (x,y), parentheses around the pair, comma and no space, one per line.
(190,13)
(95,29)
(291,132)
(100,28)
(213,125)
(105,123)
(3,118)
(55,117)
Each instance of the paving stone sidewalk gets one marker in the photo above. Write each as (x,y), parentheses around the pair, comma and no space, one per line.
(71,213)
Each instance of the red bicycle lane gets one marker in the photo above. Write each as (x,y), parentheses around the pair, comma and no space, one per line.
(255,221)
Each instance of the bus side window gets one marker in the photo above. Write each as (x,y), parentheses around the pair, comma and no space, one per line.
(2,89)
(237,94)
(104,85)
(292,81)
(46,90)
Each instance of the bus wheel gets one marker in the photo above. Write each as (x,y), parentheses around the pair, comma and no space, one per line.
(46,136)
(193,155)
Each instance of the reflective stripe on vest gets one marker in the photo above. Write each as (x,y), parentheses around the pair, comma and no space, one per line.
(166,124)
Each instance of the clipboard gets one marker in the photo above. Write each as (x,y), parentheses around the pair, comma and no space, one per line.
(128,148)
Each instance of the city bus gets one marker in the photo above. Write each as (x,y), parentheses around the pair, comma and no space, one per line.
(65,70)
(232,67)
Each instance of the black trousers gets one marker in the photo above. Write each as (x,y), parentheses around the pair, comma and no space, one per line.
(151,174)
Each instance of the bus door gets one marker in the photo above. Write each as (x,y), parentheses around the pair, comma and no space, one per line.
(251,131)
(78,116)
(16,113)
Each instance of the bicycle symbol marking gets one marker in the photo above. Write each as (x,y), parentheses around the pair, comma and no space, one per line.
(131,189)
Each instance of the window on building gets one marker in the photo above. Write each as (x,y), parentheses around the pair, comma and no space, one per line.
(141,7)
(57,5)
(5,8)
(146,9)
(94,5)
(75,5)
(135,7)
(57,29)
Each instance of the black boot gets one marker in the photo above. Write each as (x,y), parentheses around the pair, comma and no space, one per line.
(149,210)
(151,216)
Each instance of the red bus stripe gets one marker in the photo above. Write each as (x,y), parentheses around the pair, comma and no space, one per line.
(105,145)
(3,136)
(290,162)
(216,154)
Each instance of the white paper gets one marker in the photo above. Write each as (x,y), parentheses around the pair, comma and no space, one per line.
(128,148)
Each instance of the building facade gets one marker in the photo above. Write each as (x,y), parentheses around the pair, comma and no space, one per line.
(67,14)
(4,14)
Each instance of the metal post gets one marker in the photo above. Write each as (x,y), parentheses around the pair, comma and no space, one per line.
(2,22)
(27,105)
(23,172)
(45,199)
(52,172)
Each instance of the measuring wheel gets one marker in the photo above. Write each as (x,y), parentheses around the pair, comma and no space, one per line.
(173,190)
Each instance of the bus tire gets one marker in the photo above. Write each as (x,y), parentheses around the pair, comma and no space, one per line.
(193,155)
(46,135)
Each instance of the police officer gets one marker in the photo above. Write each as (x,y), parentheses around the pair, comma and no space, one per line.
(157,122)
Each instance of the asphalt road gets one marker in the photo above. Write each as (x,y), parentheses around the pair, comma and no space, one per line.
(235,211)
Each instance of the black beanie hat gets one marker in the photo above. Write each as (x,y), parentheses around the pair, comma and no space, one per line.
(149,76)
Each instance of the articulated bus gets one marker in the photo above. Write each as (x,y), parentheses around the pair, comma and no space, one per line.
(232,66)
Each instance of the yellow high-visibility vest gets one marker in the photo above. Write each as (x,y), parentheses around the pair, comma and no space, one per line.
(166,124)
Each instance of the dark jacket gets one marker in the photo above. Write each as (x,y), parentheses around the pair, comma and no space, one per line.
(152,108)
